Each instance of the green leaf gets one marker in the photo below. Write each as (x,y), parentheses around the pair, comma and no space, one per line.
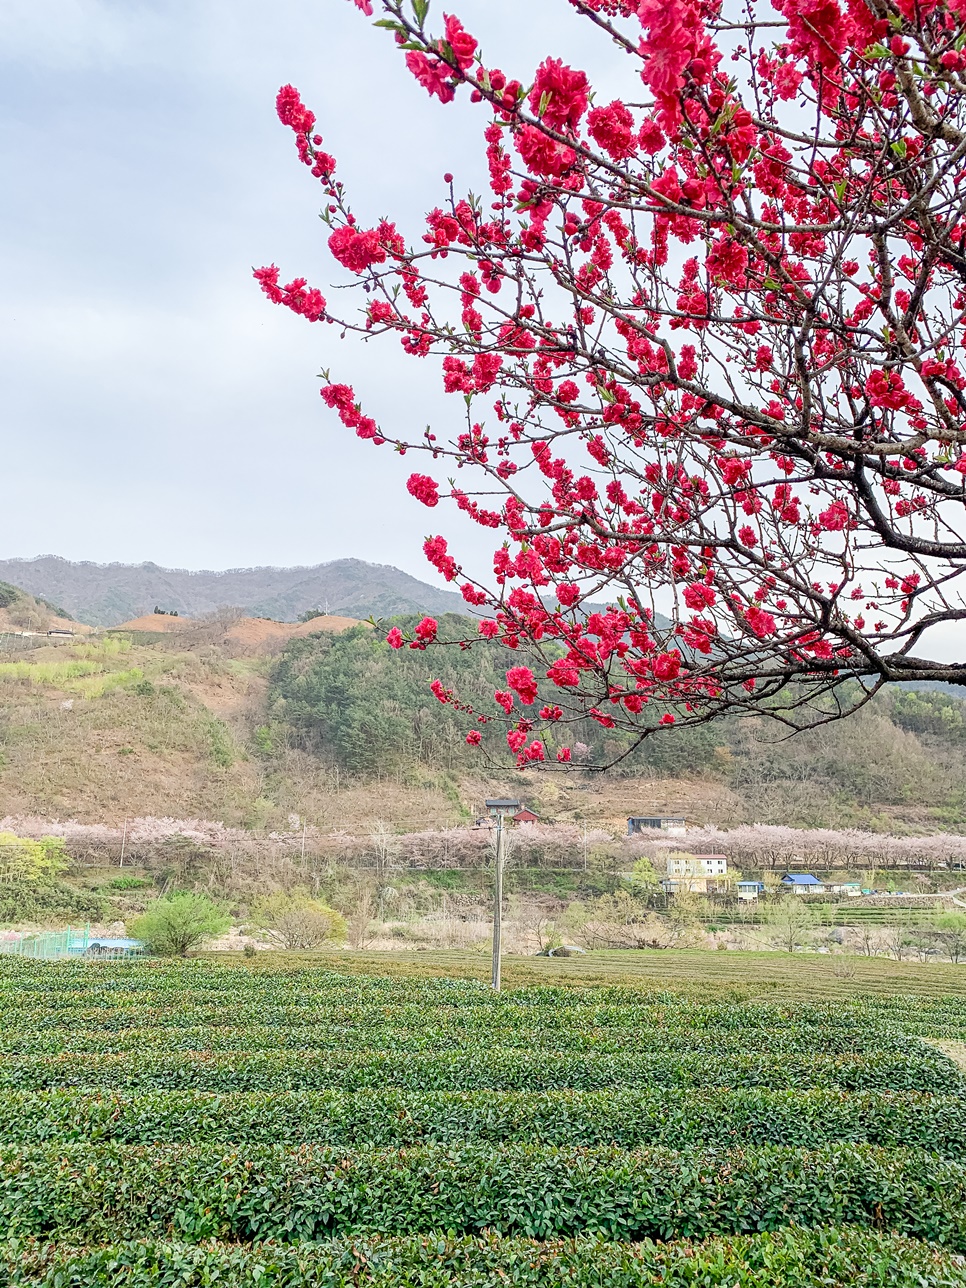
(420,9)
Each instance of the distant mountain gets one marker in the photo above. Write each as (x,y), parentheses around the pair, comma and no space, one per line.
(108,594)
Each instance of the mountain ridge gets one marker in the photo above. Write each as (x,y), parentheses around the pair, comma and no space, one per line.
(108,594)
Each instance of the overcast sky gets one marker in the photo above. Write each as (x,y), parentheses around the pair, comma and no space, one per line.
(155,406)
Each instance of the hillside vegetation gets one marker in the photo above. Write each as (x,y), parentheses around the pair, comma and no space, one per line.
(339,732)
(351,701)
(20,611)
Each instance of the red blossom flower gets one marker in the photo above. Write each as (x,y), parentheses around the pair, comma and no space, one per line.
(523,682)
(356,250)
(442,694)
(667,666)
(563,674)
(543,155)
(424,489)
(504,699)
(432,74)
(292,111)
(613,128)
(436,552)
(460,41)
(761,623)
(559,95)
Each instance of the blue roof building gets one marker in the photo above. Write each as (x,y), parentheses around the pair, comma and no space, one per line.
(802,883)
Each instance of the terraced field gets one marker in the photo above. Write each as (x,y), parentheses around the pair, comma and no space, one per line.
(193,1124)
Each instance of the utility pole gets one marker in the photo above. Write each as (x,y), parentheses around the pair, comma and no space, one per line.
(498,808)
(123,844)
(498,903)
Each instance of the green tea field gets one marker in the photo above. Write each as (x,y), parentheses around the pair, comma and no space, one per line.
(200,1124)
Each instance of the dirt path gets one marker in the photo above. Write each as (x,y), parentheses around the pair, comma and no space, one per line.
(955,1050)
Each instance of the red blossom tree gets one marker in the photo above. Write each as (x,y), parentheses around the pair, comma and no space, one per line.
(708,352)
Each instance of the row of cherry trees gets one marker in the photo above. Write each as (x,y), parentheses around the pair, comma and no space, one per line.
(761,846)
(549,845)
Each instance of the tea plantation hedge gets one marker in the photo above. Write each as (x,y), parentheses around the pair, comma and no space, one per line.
(83,1190)
(788,1258)
(186,1124)
(401,1119)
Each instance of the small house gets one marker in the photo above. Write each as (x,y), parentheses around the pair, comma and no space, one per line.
(503,805)
(500,807)
(525,816)
(697,865)
(750,891)
(642,826)
(801,883)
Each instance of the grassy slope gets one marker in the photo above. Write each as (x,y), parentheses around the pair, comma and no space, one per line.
(104,731)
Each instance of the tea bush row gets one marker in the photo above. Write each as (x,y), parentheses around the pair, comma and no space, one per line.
(103,1193)
(401,1119)
(433,1037)
(511,1070)
(833,1258)
(238,1009)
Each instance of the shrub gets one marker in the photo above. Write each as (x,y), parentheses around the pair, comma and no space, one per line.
(24,859)
(266,1192)
(128,883)
(297,921)
(47,902)
(680,1118)
(468,1070)
(176,923)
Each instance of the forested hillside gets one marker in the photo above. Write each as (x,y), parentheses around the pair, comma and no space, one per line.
(351,700)
(339,730)
(371,709)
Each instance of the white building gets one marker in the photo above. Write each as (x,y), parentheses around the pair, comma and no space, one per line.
(697,865)
(643,826)
(696,874)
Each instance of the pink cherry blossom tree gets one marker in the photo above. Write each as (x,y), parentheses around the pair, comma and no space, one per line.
(705,344)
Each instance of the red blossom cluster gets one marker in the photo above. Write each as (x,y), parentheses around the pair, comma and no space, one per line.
(708,351)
